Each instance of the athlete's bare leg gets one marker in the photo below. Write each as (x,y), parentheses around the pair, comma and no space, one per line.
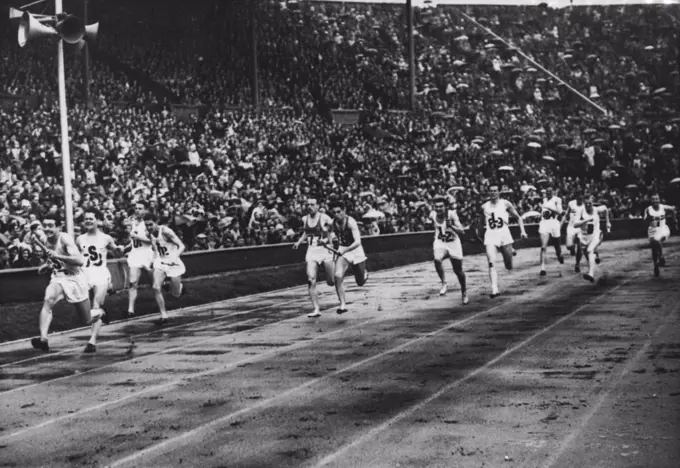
(312,272)
(579,255)
(657,255)
(329,267)
(360,273)
(98,296)
(341,266)
(457,265)
(545,240)
(158,278)
(439,268)
(491,253)
(590,252)
(135,274)
(507,251)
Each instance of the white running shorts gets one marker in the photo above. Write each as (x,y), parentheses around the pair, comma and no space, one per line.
(171,268)
(317,254)
(498,237)
(354,257)
(98,277)
(453,249)
(549,226)
(76,288)
(140,259)
(658,234)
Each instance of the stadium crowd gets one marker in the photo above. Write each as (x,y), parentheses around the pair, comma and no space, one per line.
(239,176)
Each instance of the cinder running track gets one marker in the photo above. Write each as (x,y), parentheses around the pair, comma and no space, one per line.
(556,372)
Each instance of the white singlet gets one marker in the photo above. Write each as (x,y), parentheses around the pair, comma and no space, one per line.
(549,223)
(446,240)
(658,230)
(141,255)
(497,229)
(167,259)
(94,248)
(590,234)
(573,207)
(71,277)
(315,252)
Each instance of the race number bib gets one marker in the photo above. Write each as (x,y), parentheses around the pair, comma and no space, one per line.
(495,222)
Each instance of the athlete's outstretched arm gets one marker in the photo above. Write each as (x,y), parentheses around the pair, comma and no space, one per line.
(457,225)
(356,234)
(73,255)
(170,236)
(111,245)
(520,221)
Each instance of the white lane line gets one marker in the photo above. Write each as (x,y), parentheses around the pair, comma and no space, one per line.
(172,383)
(141,318)
(156,331)
(409,411)
(199,342)
(558,451)
(202,430)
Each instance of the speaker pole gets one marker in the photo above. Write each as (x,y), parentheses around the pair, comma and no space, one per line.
(86,61)
(65,150)
(255,88)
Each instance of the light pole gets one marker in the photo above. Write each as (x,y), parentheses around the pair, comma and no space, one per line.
(69,29)
(63,119)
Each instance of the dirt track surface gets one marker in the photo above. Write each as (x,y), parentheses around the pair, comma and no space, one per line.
(556,372)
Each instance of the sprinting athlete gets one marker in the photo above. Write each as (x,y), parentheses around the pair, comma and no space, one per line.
(495,216)
(601,210)
(141,256)
(657,230)
(316,231)
(569,218)
(590,234)
(68,280)
(349,252)
(549,227)
(95,245)
(167,262)
(447,244)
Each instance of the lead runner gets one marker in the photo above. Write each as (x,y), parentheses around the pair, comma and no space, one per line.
(350,252)
(67,282)
(316,231)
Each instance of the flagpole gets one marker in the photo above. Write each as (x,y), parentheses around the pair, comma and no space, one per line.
(63,118)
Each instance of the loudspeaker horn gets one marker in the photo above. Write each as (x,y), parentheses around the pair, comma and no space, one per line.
(91,31)
(15,14)
(70,28)
(30,28)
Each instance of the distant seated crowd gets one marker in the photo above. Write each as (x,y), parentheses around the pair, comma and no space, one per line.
(241,177)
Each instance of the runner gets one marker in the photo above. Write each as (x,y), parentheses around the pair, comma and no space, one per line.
(316,231)
(549,227)
(569,218)
(350,252)
(141,256)
(67,282)
(447,244)
(167,263)
(658,230)
(590,234)
(95,245)
(495,217)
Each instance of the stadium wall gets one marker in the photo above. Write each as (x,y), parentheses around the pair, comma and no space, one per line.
(26,285)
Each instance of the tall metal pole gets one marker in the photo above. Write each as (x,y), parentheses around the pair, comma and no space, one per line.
(411,56)
(86,60)
(65,154)
(255,87)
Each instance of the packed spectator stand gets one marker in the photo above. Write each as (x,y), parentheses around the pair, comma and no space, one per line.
(235,175)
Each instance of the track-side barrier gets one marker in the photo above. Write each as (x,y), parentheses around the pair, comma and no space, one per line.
(26,285)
